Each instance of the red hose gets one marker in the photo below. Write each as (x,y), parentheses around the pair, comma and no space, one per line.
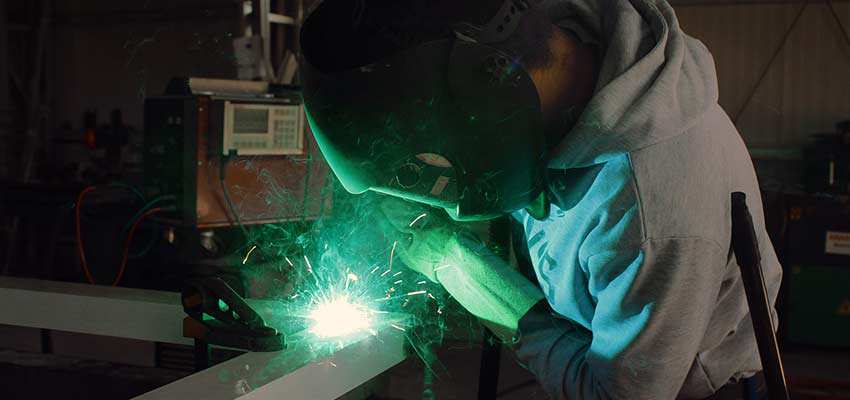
(130,240)
(125,254)
(80,249)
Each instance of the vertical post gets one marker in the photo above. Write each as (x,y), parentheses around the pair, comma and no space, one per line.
(745,246)
(201,352)
(491,354)
(34,119)
(278,37)
(5,103)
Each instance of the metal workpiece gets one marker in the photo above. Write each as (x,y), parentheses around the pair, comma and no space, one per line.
(298,372)
(307,369)
(92,309)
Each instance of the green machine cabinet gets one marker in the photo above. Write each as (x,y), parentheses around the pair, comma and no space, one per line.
(819,305)
(816,256)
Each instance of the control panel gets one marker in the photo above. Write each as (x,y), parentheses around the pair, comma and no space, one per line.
(263,129)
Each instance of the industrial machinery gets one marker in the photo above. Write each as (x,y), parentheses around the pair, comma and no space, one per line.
(827,161)
(816,255)
(233,153)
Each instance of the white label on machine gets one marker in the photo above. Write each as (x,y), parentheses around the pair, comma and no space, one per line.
(837,243)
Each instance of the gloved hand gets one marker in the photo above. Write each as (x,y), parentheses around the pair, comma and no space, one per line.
(427,238)
(448,253)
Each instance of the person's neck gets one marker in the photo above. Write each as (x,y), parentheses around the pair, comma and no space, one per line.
(566,85)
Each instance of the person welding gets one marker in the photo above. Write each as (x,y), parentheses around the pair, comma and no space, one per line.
(595,125)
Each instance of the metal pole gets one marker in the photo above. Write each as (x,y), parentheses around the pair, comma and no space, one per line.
(277,37)
(491,346)
(746,249)
(5,104)
(34,118)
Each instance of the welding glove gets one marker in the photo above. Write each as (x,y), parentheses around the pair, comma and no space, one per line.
(450,254)
(426,238)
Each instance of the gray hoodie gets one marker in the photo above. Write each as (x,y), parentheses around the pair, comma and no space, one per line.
(635,255)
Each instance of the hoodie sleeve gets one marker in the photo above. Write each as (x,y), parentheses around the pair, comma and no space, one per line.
(653,304)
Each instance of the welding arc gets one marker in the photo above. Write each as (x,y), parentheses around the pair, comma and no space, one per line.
(81,248)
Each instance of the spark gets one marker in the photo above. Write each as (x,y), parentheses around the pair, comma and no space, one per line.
(385,273)
(398,281)
(417,292)
(421,282)
(415,220)
(350,278)
(373,270)
(288,261)
(397,274)
(245,260)
(309,266)
(392,254)
(339,317)
(398,327)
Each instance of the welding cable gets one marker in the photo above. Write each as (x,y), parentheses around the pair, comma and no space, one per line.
(141,211)
(129,187)
(79,236)
(81,247)
(129,240)
(144,208)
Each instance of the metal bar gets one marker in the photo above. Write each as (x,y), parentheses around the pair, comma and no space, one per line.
(262,15)
(281,19)
(298,372)
(747,255)
(295,373)
(202,353)
(277,36)
(99,310)
(36,82)
(92,309)
(488,378)
(5,104)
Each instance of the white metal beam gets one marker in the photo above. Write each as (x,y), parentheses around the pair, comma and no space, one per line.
(295,373)
(98,310)
(298,372)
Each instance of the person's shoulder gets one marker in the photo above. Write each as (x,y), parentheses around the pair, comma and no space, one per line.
(683,184)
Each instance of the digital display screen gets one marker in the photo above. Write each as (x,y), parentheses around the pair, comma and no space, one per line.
(249,120)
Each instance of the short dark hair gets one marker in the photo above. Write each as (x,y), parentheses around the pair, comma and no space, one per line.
(358,32)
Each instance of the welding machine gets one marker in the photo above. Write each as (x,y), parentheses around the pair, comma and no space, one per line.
(232,152)
(817,260)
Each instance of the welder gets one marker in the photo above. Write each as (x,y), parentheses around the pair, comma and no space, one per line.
(595,125)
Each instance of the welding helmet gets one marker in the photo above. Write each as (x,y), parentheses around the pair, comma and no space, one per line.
(441,116)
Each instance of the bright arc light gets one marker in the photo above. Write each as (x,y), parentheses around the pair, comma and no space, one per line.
(339,317)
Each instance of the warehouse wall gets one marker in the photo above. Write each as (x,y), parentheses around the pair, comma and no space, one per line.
(109,55)
(807,88)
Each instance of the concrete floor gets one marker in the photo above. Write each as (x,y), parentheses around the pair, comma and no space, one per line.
(459,380)
(816,372)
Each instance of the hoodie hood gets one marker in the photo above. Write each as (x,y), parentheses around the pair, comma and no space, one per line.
(655,82)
